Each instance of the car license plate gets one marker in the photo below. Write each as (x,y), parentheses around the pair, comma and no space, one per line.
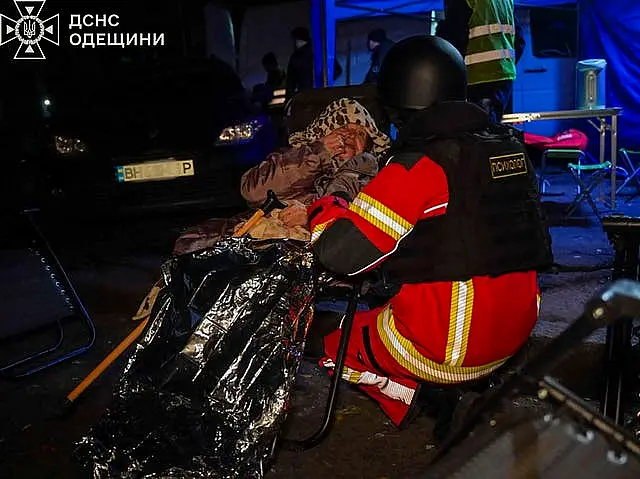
(156,170)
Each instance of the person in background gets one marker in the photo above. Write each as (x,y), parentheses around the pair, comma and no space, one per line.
(300,67)
(275,74)
(454,223)
(485,33)
(379,45)
(263,93)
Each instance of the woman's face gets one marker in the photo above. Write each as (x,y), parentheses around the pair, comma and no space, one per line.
(348,141)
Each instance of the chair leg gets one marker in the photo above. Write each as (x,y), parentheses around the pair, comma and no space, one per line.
(579,189)
(618,377)
(633,175)
(579,196)
(17,368)
(585,192)
(633,172)
(589,198)
(328,418)
(541,179)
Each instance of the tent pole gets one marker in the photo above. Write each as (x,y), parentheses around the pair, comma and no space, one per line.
(323,34)
(348,63)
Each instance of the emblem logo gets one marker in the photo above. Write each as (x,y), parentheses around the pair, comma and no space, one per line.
(29,29)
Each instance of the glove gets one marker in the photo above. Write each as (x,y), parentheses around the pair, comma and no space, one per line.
(338,198)
(341,195)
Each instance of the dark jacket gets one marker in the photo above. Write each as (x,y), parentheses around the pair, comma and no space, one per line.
(377,57)
(275,79)
(300,70)
(294,174)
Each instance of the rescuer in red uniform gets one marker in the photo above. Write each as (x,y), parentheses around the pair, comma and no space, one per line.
(453,220)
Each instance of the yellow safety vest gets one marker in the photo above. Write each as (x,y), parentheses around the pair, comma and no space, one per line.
(490,53)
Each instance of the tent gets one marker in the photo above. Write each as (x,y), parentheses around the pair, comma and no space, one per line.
(609,30)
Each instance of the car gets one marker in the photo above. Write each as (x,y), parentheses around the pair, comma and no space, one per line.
(140,136)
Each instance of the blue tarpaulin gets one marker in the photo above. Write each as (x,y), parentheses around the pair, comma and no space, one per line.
(328,12)
(608,29)
(611,30)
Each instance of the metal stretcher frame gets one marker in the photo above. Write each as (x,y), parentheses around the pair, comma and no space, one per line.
(604,125)
(23,367)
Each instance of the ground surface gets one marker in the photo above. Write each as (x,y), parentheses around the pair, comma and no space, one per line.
(113,265)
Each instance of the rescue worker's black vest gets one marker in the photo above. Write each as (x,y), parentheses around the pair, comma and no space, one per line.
(493,224)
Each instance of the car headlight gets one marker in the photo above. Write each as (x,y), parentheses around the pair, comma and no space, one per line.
(240,133)
(68,146)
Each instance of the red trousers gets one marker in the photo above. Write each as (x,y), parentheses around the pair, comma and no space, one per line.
(441,333)
(395,395)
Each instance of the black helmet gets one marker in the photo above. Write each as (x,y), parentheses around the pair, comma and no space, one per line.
(420,71)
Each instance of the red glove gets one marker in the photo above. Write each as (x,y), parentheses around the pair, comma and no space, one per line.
(324,205)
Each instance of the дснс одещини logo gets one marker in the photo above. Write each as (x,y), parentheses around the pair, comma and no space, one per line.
(29,29)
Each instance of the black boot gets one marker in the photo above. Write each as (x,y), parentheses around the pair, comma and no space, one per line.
(456,415)
(448,405)
(324,322)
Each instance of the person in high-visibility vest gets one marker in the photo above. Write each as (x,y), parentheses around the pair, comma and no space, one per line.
(486,34)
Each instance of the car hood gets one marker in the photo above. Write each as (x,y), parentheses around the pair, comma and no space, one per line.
(131,111)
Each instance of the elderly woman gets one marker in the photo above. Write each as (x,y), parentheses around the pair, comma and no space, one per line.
(339,151)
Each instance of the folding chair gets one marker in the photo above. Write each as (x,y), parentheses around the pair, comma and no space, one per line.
(38,294)
(633,171)
(556,153)
(596,174)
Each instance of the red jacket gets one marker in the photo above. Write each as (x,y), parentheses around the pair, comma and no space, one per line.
(444,332)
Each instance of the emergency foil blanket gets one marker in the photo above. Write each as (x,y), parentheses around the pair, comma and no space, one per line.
(207,388)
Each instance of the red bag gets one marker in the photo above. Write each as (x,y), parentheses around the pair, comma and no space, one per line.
(568,139)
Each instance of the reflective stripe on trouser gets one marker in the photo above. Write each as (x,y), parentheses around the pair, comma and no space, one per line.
(388,387)
(389,368)
(460,312)
(403,351)
(394,394)
(538,303)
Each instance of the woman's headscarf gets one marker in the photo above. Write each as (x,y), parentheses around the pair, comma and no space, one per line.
(339,114)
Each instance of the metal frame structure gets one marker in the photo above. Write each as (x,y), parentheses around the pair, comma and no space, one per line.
(369,11)
(325,14)
(607,121)
(620,375)
(43,359)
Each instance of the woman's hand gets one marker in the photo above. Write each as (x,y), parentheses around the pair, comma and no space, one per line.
(346,142)
(334,142)
(294,215)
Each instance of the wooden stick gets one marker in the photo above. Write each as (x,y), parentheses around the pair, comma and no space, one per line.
(120,348)
(106,362)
